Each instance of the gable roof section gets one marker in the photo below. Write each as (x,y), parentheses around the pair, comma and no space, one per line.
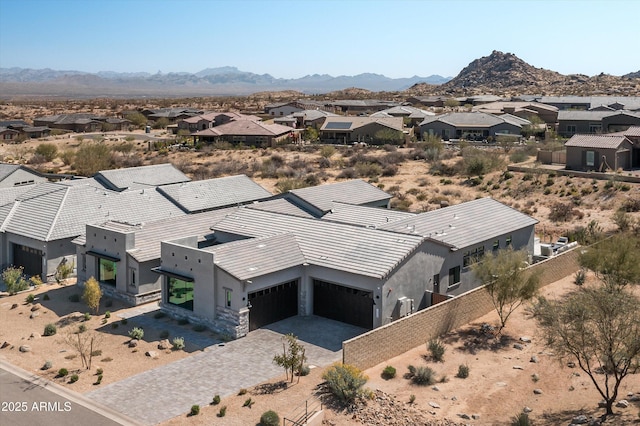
(138,177)
(280,205)
(596,141)
(345,124)
(352,249)
(7,170)
(51,211)
(466,119)
(369,217)
(255,257)
(354,191)
(214,193)
(246,128)
(568,115)
(464,224)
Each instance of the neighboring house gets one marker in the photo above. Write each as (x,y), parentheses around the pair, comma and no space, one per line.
(35,132)
(78,123)
(8,135)
(18,175)
(412,116)
(618,121)
(547,113)
(281,109)
(140,177)
(270,266)
(346,130)
(599,153)
(306,118)
(362,107)
(631,103)
(470,126)
(247,132)
(212,119)
(172,115)
(38,226)
(593,122)
(428,101)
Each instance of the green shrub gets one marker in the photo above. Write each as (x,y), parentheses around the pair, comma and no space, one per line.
(388,373)
(87,316)
(412,399)
(269,418)
(521,419)
(463,371)
(423,376)
(164,334)
(30,298)
(46,297)
(580,277)
(82,328)
(436,349)
(47,365)
(74,378)
(345,381)
(107,314)
(242,391)
(13,280)
(75,298)
(304,370)
(63,372)
(98,380)
(136,333)
(50,329)
(99,371)
(195,410)
(216,400)
(178,343)
(223,411)
(248,403)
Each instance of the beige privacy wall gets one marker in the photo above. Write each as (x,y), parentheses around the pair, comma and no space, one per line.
(376,346)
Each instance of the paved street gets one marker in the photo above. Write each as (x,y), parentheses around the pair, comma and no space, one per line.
(28,400)
(170,390)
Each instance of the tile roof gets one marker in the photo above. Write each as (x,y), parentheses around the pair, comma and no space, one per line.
(246,128)
(279,205)
(394,123)
(255,257)
(596,141)
(354,191)
(214,193)
(466,119)
(464,224)
(370,217)
(313,114)
(407,111)
(134,177)
(51,211)
(7,169)
(583,115)
(353,249)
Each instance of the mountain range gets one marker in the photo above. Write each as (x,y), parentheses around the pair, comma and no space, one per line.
(499,73)
(208,82)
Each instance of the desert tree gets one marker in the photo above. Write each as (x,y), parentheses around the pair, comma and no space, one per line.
(293,356)
(599,328)
(615,261)
(91,158)
(13,278)
(507,280)
(92,294)
(47,150)
(388,136)
(86,344)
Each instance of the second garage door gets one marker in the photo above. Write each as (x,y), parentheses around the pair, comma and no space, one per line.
(273,304)
(29,258)
(343,304)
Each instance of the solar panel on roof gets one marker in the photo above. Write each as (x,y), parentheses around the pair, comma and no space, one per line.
(340,125)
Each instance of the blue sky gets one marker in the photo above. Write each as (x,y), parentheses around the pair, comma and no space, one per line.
(293,38)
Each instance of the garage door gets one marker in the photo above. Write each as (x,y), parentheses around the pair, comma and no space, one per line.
(343,304)
(273,304)
(29,258)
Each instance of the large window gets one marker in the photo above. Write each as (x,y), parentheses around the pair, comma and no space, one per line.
(591,158)
(180,293)
(454,276)
(107,271)
(472,256)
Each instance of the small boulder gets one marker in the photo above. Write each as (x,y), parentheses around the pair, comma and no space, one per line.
(36,307)
(464,416)
(571,364)
(527,410)
(534,358)
(5,344)
(152,354)
(164,344)
(518,367)
(525,339)
(436,388)
(25,348)
(14,306)
(34,314)
(602,404)
(518,346)
(434,404)
(623,403)
(475,416)
(580,420)
(634,398)
(537,391)
(133,343)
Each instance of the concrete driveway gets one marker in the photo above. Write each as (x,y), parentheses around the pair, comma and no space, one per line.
(222,368)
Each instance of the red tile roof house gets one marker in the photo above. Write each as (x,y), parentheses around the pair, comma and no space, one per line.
(599,153)
(212,119)
(247,132)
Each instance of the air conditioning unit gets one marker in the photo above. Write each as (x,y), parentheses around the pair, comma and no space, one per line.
(405,306)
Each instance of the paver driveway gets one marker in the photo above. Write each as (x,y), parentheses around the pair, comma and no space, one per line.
(170,390)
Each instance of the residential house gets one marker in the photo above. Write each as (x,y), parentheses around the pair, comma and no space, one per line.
(600,153)
(370,130)
(8,135)
(212,119)
(362,107)
(36,132)
(470,126)
(618,121)
(172,115)
(631,103)
(306,118)
(18,175)
(428,101)
(547,113)
(78,123)
(281,109)
(247,132)
(411,116)
(140,177)
(592,122)
(269,266)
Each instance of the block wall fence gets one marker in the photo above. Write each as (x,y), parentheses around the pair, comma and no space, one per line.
(398,337)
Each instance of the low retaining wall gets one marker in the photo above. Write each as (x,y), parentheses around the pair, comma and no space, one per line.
(376,346)
(587,175)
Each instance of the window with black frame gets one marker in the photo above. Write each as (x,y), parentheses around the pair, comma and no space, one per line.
(107,271)
(180,293)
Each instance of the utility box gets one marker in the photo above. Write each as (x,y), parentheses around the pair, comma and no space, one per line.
(405,306)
